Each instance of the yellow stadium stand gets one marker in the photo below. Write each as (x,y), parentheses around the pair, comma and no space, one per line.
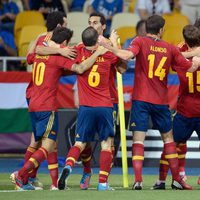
(124,19)
(126,32)
(24,19)
(174,24)
(132,6)
(28,34)
(77,21)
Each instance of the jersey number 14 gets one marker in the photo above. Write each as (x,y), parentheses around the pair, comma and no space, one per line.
(159,72)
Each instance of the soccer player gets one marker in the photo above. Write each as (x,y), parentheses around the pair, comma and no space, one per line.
(43,107)
(182,147)
(187,118)
(95,113)
(54,19)
(98,22)
(153,59)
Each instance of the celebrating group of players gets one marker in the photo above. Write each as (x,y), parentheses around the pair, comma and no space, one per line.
(95,62)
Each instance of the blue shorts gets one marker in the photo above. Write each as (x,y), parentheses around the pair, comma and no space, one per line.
(160,115)
(93,120)
(183,127)
(44,125)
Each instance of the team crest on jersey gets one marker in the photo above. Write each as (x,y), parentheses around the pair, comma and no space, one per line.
(133,124)
(53,132)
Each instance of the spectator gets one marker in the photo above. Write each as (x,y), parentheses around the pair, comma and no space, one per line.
(140,31)
(108,8)
(47,6)
(8,48)
(189,8)
(146,8)
(26,4)
(8,12)
(77,5)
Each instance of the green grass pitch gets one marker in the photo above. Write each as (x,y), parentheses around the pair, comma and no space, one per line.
(74,193)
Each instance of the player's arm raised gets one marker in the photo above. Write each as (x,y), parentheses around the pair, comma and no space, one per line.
(121,53)
(181,61)
(68,51)
(189,54)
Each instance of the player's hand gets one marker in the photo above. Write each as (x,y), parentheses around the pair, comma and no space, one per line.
(195,63)
(103,41)
(101,50)
(114,37)
(197,51)
(196,60)
(68,52)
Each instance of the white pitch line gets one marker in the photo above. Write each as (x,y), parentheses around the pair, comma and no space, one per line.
(15,190)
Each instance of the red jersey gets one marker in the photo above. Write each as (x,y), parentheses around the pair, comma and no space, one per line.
(41,41)
(93,85)
(113,90)
(189,93)
(47,71)
(153,60)
(182,46)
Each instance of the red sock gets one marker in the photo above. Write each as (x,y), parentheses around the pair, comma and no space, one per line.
(164,168)
(86,156)
(52,161)
(137,160)
(32,163)
(29,152)
(181,150)
(113,152)
(113,157)
(172,157)
(105,162)
(33,173)
(73,155)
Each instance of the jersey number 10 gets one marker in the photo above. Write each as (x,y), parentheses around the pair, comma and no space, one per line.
(38,73)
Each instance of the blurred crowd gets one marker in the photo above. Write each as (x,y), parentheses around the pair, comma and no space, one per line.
(9,9)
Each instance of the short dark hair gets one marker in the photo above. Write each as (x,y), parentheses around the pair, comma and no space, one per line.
(53,19)
(90,36)
(191,35)
(197,23)
(102,17)
(139,24)
(154,23)
(60,34)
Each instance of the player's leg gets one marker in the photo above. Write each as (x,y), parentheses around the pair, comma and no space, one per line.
(84,133)
(105,162)
(71,159)
(32,176)
(138,124)
(163,171)
(52,160)
(105,129)
(86,156)
(47,126)
(161,118)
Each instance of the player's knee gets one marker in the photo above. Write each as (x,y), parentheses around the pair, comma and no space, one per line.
(106,144)
(81,145)
(167,137)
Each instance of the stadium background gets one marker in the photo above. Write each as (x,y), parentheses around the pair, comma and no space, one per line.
(15,126)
